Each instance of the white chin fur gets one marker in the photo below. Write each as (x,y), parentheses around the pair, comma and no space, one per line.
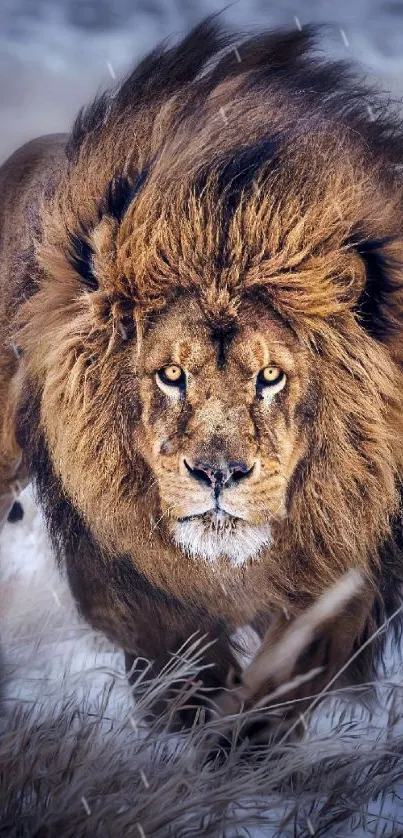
(213,539)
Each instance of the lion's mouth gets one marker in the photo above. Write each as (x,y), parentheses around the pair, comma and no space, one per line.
(213,517)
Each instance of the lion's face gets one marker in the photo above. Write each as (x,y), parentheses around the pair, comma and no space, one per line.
(221,426)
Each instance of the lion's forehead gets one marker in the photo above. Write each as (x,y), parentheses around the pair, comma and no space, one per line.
(184,335)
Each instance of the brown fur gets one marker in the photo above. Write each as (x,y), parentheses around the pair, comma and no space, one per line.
(223,217)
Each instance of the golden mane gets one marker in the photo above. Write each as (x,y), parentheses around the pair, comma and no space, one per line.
(224,171)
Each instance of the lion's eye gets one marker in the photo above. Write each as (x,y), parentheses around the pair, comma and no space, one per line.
(271,375)
(172,376)
(270,381)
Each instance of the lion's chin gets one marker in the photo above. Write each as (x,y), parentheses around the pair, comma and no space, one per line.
(212,536)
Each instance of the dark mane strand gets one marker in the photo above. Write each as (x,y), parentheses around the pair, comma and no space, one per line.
(87,121)
(80,256)
(379,285)
(237,175)
(317,89)
(158,75)
(120,193)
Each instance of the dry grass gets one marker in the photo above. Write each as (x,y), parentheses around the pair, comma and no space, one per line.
(67,770)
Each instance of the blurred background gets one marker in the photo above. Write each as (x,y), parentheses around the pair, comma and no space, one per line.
(56,54)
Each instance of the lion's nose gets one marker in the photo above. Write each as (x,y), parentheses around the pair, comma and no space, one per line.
(218,476)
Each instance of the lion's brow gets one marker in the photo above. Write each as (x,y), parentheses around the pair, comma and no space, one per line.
(223,336)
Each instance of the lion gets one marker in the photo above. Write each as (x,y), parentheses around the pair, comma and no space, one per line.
(201,351)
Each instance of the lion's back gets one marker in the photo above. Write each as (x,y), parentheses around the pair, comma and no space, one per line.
(22,179)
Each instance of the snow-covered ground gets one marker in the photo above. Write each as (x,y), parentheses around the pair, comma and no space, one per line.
(70,728)
(42,636)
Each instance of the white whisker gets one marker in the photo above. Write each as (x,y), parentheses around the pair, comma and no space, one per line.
(157,523)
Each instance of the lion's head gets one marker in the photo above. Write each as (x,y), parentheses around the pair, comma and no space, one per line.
(219,305)
(222,424)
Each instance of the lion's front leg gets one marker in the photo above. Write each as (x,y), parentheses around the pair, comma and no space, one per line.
(190,671)
(298,662)
(181,642)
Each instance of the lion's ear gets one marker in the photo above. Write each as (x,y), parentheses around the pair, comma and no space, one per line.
(379,304)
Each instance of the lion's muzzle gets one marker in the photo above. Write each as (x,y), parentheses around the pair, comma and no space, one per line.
(218,475)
